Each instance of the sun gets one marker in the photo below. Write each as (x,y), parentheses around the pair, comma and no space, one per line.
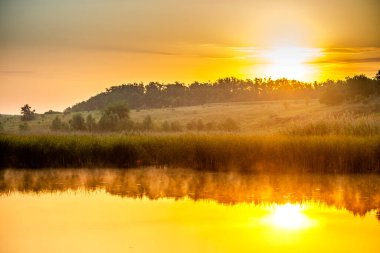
(290,62)
(288,216)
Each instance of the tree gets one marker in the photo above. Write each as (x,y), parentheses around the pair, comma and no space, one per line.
(192,125)
(147,123)
(51,112)
(90,123)
(333,93)
(175,126)
(200,125)
(210,126)
(377,76)
(165,126)
(125,125)
(77,122)
(58,125)
(108,122)
(27,113)
(360,85)
(120,109)
(229,125)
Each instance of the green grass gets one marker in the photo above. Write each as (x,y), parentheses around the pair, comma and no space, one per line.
(343,154)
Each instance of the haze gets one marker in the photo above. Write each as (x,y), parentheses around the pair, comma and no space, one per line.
(56,53)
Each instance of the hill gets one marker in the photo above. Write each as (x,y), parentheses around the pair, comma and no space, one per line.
(158,95)
(252,117)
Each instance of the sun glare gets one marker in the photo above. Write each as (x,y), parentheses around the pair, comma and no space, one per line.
(291,62)
(288,216)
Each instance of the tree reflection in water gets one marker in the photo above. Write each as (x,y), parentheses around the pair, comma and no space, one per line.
(356,193)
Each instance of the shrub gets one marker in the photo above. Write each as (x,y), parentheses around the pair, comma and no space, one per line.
(77,122)
(90,123)
(165,126)
(211,126)
(23,127)
(58,125)
(191,126)
(108,122)
(147,124)
(175,126)
(126,124)
(229,125)
(120,109)
(51,112)
(200,125)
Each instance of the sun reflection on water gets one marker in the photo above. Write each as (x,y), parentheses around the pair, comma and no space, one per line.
(288,216)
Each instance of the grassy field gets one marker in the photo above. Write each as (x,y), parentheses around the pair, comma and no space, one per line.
(275,136)
(253,117)
(327,154)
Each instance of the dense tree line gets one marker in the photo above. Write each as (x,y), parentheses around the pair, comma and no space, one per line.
(157,95)
(359,88)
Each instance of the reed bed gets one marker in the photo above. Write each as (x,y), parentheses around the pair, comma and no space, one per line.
(344,124)
(330,154)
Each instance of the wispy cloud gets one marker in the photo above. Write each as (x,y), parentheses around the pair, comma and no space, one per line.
(212,51)
(16,72)
(347,60)
(256,54)
(350,50)
(349,55)
(128,49)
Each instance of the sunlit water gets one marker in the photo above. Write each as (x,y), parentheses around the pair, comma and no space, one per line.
(162,210)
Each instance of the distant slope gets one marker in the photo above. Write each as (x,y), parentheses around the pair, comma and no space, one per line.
(253,117)
(157,95)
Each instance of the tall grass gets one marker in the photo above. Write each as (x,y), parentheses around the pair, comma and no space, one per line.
(205,152)
(341,124)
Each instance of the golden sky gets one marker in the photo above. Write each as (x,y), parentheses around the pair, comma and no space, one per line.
(55,53)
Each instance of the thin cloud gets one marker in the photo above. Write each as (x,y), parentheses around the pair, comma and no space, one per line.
(346,60)
(351,50)
(349,55)
(16,72)
(130,50)
(196,50)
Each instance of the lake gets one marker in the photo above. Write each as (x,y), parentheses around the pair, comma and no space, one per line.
(179,210)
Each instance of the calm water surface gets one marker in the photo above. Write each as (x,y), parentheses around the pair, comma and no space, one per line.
(167,210)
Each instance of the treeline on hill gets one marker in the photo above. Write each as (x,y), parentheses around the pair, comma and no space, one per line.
(116,119)
(359,88)
(158,95)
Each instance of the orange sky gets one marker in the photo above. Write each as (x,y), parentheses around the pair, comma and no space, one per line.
(56,53)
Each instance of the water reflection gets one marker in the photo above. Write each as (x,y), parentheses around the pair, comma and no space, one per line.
(357,193)
(289,216)
(172,210)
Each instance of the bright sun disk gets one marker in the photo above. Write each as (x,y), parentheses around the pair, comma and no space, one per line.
(290,62)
